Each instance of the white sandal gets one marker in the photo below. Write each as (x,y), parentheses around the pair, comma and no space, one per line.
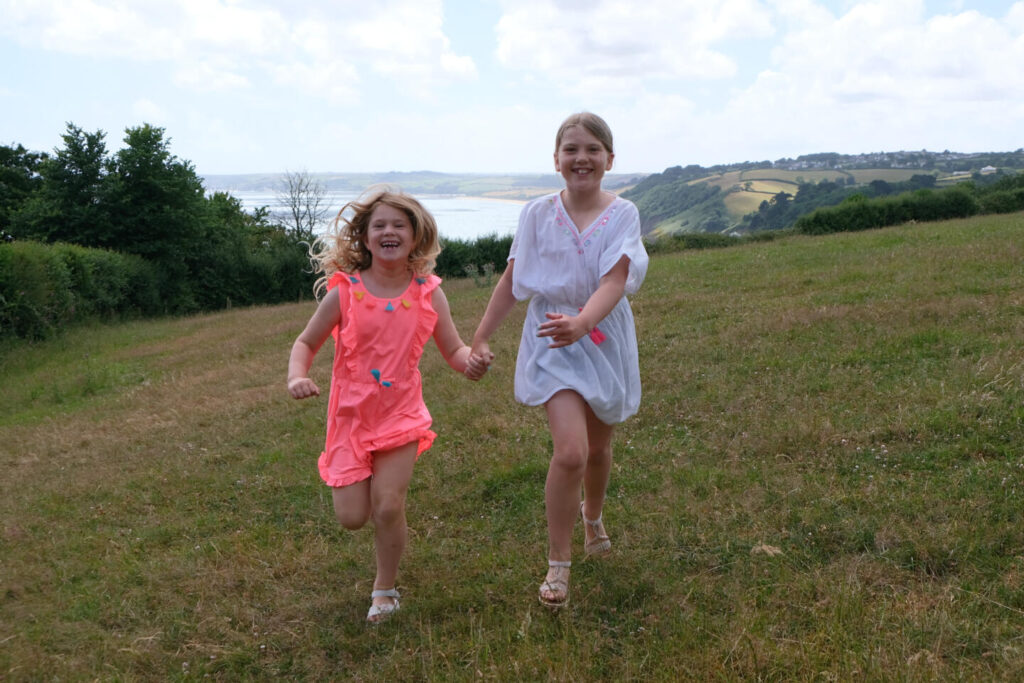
(560,584)
(601,544)
(379,613)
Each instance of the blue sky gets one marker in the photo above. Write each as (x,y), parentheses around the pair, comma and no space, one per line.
(248,86)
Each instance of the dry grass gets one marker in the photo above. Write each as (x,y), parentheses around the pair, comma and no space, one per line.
(824,482)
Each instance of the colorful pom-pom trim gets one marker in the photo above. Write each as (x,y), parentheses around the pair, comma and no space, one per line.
(376,375)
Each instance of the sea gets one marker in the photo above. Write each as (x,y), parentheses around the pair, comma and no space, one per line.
(458,217)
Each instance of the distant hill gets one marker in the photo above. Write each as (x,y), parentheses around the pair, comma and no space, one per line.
(770,194)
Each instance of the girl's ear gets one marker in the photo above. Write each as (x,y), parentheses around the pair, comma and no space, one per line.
(611,158)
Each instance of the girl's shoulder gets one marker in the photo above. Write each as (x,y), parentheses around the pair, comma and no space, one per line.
(427,285)
(621,211)
(622,204)
(539,209)
(546,202)
(340,277)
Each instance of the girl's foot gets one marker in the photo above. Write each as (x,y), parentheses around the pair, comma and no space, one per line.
(554,592)
(597,541)
(385,603)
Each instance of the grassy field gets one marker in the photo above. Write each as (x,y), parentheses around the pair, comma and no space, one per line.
(889,175)
(792,177)
(824,482)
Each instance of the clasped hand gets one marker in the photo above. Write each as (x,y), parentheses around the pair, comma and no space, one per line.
(563,329)
(478,362)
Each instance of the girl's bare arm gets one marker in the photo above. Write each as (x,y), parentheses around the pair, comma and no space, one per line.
(309,341)
(501,304)
(457,354)
(568,329)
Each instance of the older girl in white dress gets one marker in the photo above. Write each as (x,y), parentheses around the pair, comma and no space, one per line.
(575,256)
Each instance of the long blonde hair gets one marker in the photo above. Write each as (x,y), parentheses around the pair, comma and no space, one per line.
(343,246)
(590,122)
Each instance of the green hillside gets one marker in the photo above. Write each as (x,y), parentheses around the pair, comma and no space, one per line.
(727,198)
(824,482)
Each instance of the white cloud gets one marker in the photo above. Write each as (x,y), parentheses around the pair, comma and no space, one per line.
(886,76)
(148,111)
(889,51)
(203,76)
(225,44)
(335,81)
(609,43)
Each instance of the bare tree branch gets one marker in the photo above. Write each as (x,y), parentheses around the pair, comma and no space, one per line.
(305,202)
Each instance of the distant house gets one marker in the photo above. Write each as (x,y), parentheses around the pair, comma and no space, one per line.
(988,169)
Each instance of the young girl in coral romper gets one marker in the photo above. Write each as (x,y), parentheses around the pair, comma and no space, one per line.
(383,303)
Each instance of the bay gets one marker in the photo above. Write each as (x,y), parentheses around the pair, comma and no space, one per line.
(458,217)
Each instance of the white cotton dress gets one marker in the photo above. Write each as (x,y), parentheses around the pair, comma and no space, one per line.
(558,267)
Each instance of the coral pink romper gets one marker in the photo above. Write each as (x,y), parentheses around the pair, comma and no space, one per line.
(376,399)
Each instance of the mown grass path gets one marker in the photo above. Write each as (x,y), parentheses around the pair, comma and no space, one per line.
(825,481)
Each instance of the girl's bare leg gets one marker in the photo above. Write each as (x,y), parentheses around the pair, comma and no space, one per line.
(352,504)
(599,466)
(392,471)
(567,419)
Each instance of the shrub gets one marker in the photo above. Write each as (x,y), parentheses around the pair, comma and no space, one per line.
(44,287)
(458,255)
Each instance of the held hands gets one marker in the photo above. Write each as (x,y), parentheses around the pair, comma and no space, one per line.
(480,359)
(563,329)
(302,387)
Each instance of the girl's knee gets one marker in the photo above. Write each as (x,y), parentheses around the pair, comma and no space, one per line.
(600,453)
(352,505)
(388,509)
(570,459)
(352,519)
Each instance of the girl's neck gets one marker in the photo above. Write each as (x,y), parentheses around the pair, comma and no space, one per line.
(585,208)
(387,280)
(586,201)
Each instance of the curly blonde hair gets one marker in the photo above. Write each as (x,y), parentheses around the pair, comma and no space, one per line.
(343,248)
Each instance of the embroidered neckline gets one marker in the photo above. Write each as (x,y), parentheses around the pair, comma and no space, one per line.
(569,227)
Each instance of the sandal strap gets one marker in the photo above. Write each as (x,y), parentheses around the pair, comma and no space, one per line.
(385,593)
(559,563)
(591,522)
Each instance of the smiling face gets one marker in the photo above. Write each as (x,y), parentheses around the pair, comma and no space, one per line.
(389,234)
(582,159)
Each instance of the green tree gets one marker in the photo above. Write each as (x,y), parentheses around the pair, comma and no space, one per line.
(19,179)
(68,205)
(159,210)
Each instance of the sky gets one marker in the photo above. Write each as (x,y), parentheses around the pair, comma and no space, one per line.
(481,86)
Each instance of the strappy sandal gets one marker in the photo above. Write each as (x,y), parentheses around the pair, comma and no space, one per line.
(600,544)
(379,613)
(558,585)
